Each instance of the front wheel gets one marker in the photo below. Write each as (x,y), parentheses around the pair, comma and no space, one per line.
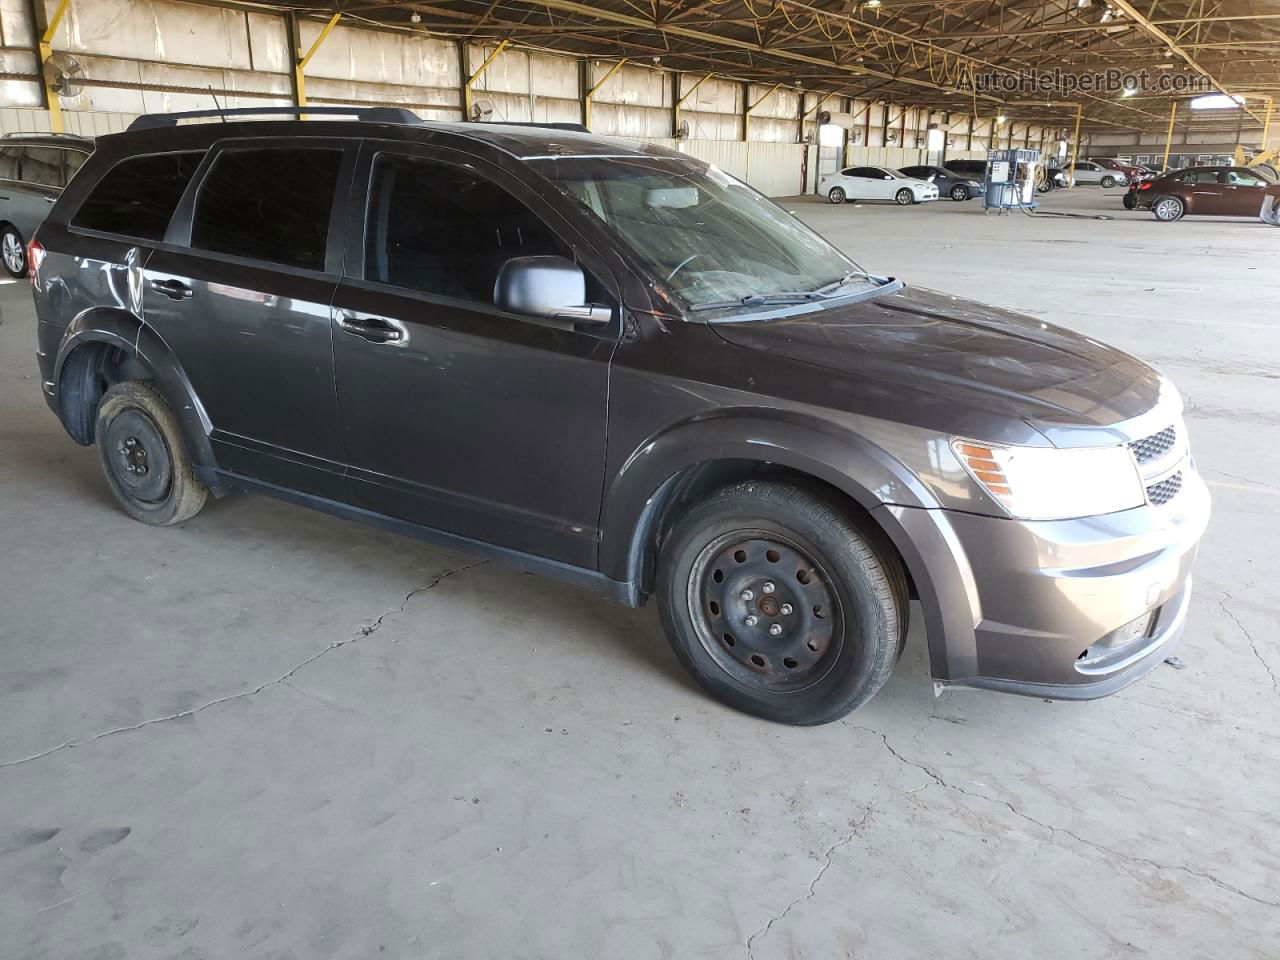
(959,192)
(904,197)
(13,252)
(1108,183)
(779,605)
(144,457)
(836,195)
(1168,209)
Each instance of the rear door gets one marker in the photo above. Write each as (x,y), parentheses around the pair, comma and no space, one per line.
(457,415)
(241,289)
(39,177)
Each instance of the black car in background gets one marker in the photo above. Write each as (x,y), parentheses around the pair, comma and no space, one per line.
(951,184)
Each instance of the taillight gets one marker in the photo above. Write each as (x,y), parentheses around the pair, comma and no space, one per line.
(35,257)
(1145,185)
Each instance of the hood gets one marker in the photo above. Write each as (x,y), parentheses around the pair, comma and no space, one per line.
(961,352)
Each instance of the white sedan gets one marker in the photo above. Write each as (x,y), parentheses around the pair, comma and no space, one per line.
(875,183)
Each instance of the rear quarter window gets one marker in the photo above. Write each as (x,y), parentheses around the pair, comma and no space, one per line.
(137,196)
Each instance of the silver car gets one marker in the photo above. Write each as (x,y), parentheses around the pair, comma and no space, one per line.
(34,168)
(1086,171)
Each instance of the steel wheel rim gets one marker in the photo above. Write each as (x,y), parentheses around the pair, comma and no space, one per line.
(11,249)
(729,582)
(138,458)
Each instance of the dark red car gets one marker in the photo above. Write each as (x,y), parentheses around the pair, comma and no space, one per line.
(1204,191)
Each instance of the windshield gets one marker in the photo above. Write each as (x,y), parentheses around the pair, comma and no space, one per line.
(713,240)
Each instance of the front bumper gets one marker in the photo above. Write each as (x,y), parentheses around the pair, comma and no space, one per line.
(1065,609)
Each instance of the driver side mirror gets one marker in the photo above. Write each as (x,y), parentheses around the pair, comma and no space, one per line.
(550,287)
(886,177)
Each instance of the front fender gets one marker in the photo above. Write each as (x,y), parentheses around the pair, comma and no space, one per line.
(140,342)
(898,502)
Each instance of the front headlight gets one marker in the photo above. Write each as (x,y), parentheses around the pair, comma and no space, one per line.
(1053,483)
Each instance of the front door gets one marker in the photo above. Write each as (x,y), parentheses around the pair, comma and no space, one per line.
(457,415)
(241,291)
(1243,192)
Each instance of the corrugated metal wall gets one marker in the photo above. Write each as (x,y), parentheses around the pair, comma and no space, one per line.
(144,56)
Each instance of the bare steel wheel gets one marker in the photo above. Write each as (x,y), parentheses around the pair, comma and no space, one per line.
(765,610)
(779,603)
(143,455)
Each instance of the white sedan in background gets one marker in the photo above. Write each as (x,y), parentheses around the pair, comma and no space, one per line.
(1086,171)
(875,183)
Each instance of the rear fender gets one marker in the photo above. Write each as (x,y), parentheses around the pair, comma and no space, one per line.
(142,344)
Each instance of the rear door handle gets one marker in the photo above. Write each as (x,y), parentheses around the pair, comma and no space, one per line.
(173,289)
(371,328)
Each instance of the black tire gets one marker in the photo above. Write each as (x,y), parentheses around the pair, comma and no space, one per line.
(959,192)
(1168,209)
(1130,201)
(904,197)
(1044,185)
(836,195)
(13,252)
(1108,183)
(795,562)
(136,429)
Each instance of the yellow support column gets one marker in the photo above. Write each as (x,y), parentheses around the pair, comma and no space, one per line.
(466,89)
(300,83)
(1075,147)
(46,51)
(586,98)
(1168,137)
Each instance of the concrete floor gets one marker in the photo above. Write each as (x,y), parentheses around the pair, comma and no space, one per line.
(273,734)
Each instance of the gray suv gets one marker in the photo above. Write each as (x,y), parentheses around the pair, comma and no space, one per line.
(34,167)
(617,365)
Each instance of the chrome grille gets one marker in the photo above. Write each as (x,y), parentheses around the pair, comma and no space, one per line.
(1164,491)
(1155,446)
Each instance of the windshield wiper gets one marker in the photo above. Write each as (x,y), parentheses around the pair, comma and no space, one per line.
(835,285)
(761,299)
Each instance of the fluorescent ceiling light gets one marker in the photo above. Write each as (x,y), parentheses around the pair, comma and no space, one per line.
(1216,101)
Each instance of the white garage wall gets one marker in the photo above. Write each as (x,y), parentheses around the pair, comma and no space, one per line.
(141,56)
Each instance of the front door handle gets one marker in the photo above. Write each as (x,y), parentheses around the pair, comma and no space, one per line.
(371,328)
(173,289)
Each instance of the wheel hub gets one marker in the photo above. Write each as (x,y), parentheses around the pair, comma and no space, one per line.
(140,458)
(765,610)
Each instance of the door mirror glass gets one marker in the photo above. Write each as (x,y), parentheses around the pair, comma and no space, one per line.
(551,287)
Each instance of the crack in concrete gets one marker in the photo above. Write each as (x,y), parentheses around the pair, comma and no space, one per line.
(1054,831)
(283,679)
(1222,603)
(822,870)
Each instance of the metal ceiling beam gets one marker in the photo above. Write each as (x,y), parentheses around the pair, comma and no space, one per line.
(1176,50)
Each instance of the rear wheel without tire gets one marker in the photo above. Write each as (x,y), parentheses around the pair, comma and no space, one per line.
(905,197)
(1168,209)
(836,195)
(13,253)
(144,457)
(959,192)
(779,605)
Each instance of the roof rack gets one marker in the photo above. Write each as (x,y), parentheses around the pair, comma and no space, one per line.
(45,133)
(150,121)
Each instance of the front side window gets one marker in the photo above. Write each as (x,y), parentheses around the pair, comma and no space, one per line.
(446,229)
(1243,178)
(268,204)
(712,239)
(138,196)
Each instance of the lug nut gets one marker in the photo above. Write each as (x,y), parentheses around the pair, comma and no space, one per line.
(131,442)
(767,588)
(747,596)
(786,609)
(751,620)
(775,630)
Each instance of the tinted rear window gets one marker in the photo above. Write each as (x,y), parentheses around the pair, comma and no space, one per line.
(271,204)
(138,196)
